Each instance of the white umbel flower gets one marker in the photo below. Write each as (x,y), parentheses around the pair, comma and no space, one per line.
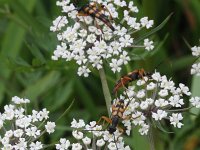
(112,146)
(141,94)
(163,93)
(77,134)
(78,124)
(115,65)
(50,127)
(196,51)
(155,100)
(148,44)
(195,70)
(21,127)
(195,101)
(86,140)
(32,131)
(151,86)
(175,120)
(100,143)
(146,23)
(144,105)
(159,115)
(176,101)
(18,133)
(64,144)
(83,71)
(144,129)
(36,146)
(76,146)
(161,102)
(84,32)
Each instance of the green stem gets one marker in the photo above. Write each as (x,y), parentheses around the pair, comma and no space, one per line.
(179,110)
(50,145)
(43,132)
(151,138)
(105,88)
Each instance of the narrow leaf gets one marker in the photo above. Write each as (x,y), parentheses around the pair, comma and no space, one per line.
(153,31)
(159,126)
(42,85)
(63,95)
(66,111)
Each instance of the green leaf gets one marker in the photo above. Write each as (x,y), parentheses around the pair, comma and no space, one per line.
(137,139)
(12,42)
(26,17)
(66,111)
(142,37)
(18,62)
(88,101)
(37,63)
(195,92)
(63,95)
(158,47)
(5,2)
(64,128)
(42,85)
(158,124)
(36,52)
(182,62)
(195,7)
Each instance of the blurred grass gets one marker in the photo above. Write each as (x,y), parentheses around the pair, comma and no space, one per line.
(28,71)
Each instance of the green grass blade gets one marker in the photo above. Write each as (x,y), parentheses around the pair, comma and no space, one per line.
(42,85)
(88,101)
(153,31)
(66,111)
(63,95)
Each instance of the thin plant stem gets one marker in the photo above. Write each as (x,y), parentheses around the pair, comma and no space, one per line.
(66,111)
(49,145)
(151,138)
(106,91)
(43,132)
(180,110)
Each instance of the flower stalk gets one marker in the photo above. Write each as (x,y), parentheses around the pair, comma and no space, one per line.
(105,88)
(151,139)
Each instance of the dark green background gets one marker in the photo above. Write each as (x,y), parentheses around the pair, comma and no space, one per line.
(26,68)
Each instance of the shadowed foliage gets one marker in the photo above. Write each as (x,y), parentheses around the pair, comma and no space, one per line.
(26,68)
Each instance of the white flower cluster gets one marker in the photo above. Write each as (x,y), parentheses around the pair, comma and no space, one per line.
(88,41)
(154,99)
(196,66)
(20,131)
(92,136)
